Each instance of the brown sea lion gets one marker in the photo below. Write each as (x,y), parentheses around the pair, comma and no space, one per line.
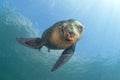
(62,35)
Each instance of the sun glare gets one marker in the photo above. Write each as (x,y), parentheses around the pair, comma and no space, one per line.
(115,4)
(111,6)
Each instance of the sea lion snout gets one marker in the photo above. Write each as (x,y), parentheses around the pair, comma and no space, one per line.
(72,31)
(71,36)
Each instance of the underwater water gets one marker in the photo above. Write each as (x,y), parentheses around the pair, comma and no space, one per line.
(97,54)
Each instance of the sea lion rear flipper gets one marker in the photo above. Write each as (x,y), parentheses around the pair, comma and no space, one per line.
(35,43)
(65,56)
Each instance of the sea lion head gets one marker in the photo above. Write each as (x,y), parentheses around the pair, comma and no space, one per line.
(71,30)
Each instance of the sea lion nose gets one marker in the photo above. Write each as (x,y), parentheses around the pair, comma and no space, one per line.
(71,34)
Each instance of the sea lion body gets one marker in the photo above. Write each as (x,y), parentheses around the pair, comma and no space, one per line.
(55,37)
(62,35)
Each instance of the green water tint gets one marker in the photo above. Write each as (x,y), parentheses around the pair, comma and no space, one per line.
(96,56)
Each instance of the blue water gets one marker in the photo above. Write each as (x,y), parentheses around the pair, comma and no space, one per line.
(97,54)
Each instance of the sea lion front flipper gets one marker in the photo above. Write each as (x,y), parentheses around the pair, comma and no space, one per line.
(35,43)
(65,56)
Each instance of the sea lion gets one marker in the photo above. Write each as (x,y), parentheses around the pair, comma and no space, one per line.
(62,35)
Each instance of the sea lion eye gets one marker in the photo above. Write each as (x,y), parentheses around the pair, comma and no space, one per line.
(80,28)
